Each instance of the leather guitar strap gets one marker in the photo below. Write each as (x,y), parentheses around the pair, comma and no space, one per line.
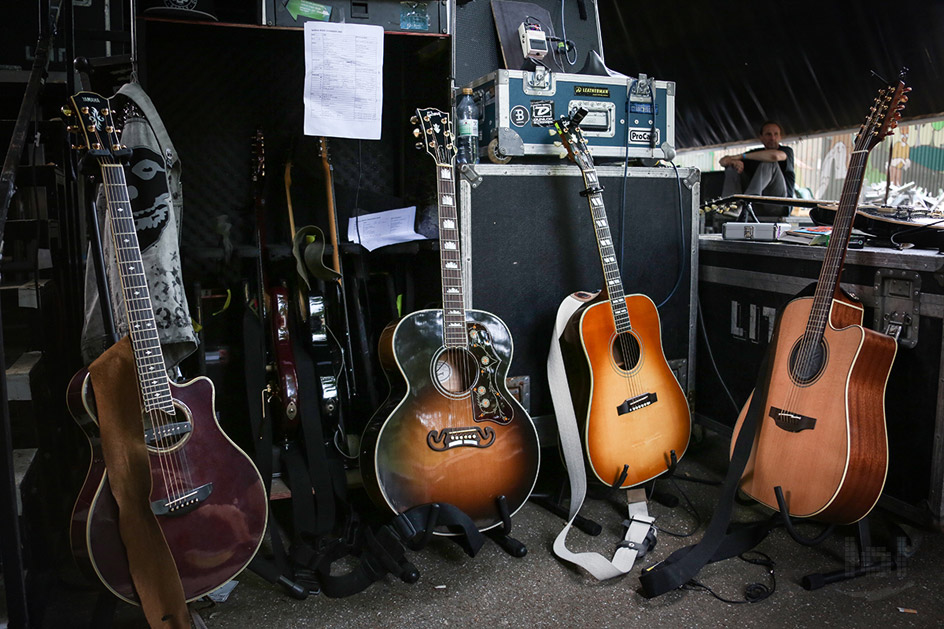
(719,542)
(151,563)
(639,524)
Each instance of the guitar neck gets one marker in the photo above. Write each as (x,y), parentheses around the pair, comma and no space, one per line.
(454,331)
(829,275)
(145,342)
(611,272)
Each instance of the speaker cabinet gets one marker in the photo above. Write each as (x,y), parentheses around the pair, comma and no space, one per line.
(529,241)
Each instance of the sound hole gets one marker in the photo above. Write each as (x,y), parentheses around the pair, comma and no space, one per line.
(807,361)
(626,352)
(455,370)
(163,431)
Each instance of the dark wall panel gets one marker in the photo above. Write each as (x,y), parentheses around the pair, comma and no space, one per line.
(533,244)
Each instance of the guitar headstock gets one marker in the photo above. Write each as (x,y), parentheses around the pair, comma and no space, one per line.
(434,130)
(95,127)
(571,136)
(258,156)
(884,116)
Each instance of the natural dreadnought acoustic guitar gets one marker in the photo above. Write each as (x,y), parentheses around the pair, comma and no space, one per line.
(633,412)
(206,493)
(821,433)
(455,434)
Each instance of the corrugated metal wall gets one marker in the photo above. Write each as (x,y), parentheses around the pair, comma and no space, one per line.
(916,170)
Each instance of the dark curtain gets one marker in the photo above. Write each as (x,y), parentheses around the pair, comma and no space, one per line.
(806,64)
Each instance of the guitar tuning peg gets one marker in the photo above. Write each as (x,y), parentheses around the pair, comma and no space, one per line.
(414,120)
(562,154)
(66,111)
(552,131)
(419,145)
(416,133)
(558,143)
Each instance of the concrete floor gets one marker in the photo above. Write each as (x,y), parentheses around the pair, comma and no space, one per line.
(496,590)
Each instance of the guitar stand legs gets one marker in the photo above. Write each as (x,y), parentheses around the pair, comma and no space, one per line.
(865,563)
(788,524)
(501,535)
(665,498)
(586,525)
(103,616)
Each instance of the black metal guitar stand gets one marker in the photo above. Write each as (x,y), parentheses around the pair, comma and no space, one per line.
(866,561)
(502,536)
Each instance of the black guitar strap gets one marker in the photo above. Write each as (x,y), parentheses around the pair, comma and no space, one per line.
(719,541)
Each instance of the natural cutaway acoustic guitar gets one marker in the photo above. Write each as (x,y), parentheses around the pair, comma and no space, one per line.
(206,494)
(450,431)
(634,415)
(821,439)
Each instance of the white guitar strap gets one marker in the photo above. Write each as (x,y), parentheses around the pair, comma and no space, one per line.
(639,523)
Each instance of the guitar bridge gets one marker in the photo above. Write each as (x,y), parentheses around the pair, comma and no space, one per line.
(636,403)
(164,432)
(182,504)
(472,437)
(791,422)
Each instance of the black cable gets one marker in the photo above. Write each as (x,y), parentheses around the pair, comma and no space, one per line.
(681,272)
(909,230)
(753,592)
(711,357)
(691,509)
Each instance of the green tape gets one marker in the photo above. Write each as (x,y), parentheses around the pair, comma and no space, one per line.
(308,9)
(400,305)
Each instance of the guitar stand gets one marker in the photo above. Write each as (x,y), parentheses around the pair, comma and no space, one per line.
(866,563)
(501,536)
(586,525)
(103,616)
(665,498)
(747,214)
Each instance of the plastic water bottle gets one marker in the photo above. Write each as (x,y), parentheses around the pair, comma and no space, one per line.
(467,121)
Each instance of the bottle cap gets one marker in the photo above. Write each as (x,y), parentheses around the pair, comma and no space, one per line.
(466,90)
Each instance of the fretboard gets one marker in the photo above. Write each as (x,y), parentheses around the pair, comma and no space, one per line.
(838,244)
(148,358)
(611,273)
(454,331)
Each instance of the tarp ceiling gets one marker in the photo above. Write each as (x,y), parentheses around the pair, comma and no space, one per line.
(805,64)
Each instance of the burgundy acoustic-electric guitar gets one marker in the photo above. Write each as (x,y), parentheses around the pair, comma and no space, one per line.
(207,495)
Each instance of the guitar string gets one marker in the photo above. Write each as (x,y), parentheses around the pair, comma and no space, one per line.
(175,473)
(628,348)
(113,180)
(453,355)
(814,333)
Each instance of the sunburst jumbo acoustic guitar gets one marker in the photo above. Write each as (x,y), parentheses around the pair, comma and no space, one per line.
(821,435)
(633,412)
(454,434)
(206,493)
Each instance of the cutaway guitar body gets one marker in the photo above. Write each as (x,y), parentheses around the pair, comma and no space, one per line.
(451,431)
(634,411)
(211,543)
(822,435)
(820,429)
